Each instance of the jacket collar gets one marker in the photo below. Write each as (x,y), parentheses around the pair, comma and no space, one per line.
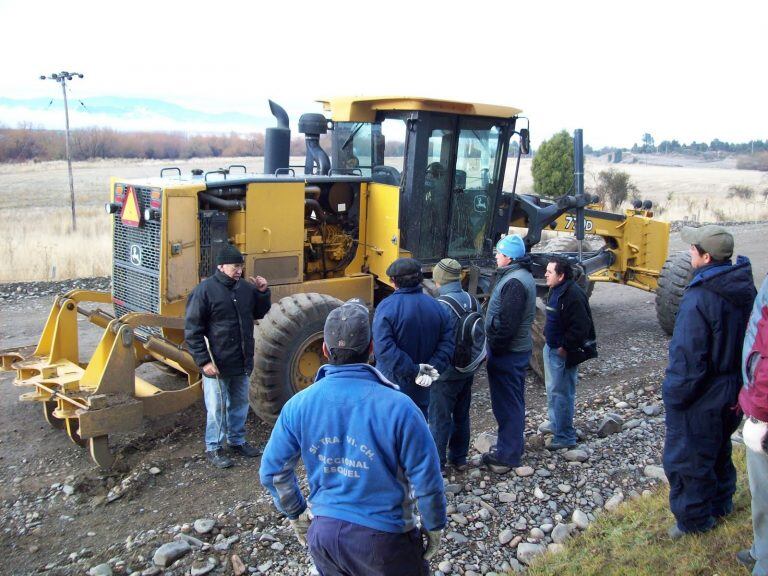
(450,288)
(365,371)
(412,290)
(224,279)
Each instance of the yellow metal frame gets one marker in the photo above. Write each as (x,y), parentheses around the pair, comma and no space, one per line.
(638,242)
(364,109)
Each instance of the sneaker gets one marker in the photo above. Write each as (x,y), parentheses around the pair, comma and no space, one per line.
(745,558)
(459,467)
(675,533)
(556,446)
(218,458)
(246,450)
(494,464)
(545,427)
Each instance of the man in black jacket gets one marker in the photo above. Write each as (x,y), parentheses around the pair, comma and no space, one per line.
(219,334)
(508,319)
(567,328)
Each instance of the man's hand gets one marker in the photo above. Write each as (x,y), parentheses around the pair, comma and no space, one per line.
(562,352)
(260,282)
(300,526)
(433,542)
(210,370)
(427,374)
(754,435)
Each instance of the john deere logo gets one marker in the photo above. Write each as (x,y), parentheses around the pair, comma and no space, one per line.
(136,256)
(481,203)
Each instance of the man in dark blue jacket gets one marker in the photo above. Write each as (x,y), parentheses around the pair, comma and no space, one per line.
(702,382)
(218,331)
(369,459)
(508,320)
(412,336)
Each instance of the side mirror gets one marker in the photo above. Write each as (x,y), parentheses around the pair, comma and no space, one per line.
(525,141)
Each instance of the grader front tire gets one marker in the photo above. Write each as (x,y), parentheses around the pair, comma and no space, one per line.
(675,276)
(288,351)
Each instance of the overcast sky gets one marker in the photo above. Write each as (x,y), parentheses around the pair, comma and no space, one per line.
(676,69)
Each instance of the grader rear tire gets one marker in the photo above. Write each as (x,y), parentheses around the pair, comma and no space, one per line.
(288,351)
(674,277)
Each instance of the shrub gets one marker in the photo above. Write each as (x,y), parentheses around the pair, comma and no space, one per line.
(552,166)
(614,187)
(741,191)
(754,162)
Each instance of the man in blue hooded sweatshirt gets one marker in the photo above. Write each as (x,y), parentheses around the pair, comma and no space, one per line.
(369,459)
(703,379)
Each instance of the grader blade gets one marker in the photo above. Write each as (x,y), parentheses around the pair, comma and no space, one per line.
(91,401)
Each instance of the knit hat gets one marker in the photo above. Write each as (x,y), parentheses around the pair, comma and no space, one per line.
(512,246)
(348,327)
(447,270)
(229,255)
(713,239)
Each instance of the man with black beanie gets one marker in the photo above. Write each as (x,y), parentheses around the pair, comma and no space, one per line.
(219,334)
(412,334)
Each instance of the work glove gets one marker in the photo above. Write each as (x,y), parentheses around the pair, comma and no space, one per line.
(433,542)
(427,374)
(300,526)
(754,435)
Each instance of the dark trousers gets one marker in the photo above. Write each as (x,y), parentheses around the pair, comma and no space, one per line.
(697,461)
(340,548)
(449,402)
(506,381)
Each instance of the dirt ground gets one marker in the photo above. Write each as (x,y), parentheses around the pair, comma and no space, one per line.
(36,460)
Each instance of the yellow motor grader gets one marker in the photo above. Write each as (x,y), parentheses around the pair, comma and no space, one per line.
(405,177)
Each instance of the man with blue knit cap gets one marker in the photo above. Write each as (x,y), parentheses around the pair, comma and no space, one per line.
(508,320)
(369,458)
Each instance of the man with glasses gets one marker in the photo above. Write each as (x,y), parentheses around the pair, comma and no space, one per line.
(219,334)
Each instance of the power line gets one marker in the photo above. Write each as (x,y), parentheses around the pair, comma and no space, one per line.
(61,78)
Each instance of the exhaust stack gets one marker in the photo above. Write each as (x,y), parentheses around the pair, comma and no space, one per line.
(277,141)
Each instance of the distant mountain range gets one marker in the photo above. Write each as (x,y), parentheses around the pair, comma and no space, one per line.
(126,114)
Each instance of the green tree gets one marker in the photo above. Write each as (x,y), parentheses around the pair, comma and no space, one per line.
(552,167)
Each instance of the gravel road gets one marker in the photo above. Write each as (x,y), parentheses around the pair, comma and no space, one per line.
(61,516)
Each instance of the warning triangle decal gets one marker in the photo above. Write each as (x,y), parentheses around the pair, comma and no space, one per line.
(131,215)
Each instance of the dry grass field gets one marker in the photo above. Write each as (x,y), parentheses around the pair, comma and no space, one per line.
(37,242)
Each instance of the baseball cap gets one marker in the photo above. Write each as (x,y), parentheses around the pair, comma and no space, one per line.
(713,239)
(348,327)
(512,246)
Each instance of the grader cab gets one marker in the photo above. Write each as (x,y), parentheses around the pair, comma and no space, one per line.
(405,177)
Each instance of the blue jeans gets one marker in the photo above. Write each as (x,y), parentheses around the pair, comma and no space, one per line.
(449,417)
(757,468)
(561,396)
(340,548)
(506,382)
(227,408)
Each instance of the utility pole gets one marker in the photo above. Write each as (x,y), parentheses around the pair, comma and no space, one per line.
(61,78)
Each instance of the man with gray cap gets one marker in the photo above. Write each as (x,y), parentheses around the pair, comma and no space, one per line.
(218,330)
(412,334)
(702,381)
(451,395)
(368,456)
